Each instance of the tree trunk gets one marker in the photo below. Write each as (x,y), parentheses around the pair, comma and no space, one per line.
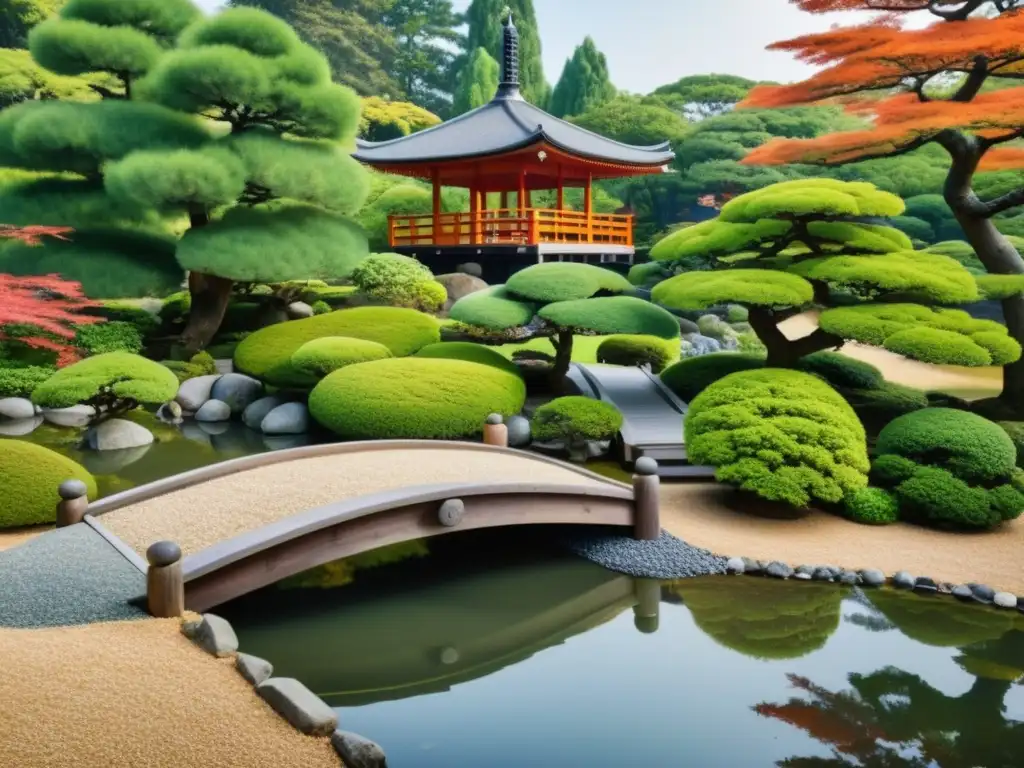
(210,298)
(782,351)
(563,358)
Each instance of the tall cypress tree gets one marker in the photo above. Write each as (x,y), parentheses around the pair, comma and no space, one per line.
(584,82)
(478,81)
(485,19)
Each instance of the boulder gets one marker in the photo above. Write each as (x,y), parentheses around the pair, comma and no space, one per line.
(298,310)
(302,708)
(75,416)
(118,434)
(14,408)
(287,419)
(19,427)
(358,752)
(256,412)
(213,634)
(253,668)
(695,345)
(518,431)
(687,326)
(194,392)
(778,570)
(872,577)
(213,410)
(459,285)
(237,390)
(963,593)
(849,578)
(470,268)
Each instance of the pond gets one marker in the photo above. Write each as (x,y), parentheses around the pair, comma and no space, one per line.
(498,650)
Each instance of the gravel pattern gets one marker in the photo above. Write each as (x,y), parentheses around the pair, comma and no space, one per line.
(667,557)
(137,693)
(220,509)
(67,576)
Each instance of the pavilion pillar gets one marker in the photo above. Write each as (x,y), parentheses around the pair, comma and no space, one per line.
(504,200)
(588,206)
(474,215)
(435,179)
(560,195)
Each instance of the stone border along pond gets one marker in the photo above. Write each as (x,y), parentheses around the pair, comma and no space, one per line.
(303,709)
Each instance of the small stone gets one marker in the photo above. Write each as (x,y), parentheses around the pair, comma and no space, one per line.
(982,592)
(925,585)
(778,570)
(118,434)
(298,310)
(75,416)
(169,413)
(214,635)
(494,419)
(802,576)
(451,512)
(1005,600)
(302,708)
(256,412)
(13,408)
(287,419)
(358,752)
(751,567)
(253,668)
(823,573)
(163,553)
(808,569)
(849,578)
(872,577)
(214,411)
(902,580)
(72,489)
(237,390)
(518,431)
(194,392)
(735,565)
(645,465)
(962,592)
(470,268)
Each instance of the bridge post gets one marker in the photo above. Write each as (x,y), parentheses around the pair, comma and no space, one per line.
(646,487)
(495,431)
(165,581)
(73,503)
(647,607)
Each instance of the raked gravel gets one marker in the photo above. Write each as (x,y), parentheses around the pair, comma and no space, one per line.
(667,557)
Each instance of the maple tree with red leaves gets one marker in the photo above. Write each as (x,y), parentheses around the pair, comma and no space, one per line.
(47,303)
(973,40)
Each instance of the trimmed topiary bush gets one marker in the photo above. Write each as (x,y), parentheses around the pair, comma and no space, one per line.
(414,398)
(575,420)
(267,353)
(842,371)
(29,478)
(935,345)
(1015,429)
(470,352)
(637,351)
(877,407)
(689,377)
(116,381)
(201,364)
(872,506)
(20,382)
(112,336)
(785,435)
(320,357)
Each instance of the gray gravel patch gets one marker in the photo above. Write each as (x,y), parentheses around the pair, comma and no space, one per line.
(67,576)
(667,557)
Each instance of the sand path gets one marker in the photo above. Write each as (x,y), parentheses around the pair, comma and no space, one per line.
(17,536)
(137,693)
(216,510)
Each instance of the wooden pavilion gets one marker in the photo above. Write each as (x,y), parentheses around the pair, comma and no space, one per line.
(510,147)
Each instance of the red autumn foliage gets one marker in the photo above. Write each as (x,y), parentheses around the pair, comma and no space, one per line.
(32,235)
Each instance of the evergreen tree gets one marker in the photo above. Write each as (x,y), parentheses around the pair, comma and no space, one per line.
(485,19)
(17,17)
(478,82)
(425,32)
(584,83)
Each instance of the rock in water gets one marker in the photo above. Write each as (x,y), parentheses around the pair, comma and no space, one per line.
(287,419)
(194,392)
(117,434)
(902,580)
(963,592)
(214,410)
(518,431)
(778,570)
(357,752)
(254,415)
(15,408)
(237,390)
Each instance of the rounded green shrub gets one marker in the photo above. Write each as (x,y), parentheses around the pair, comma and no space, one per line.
(737,313)
(842,371)
(878,406)
(320,357)
(1002,349)
(470,352)
(267,353)
(1007,501)
(785,435)
(106,379)
(969,446)
(400,281)
(29,478)
(414,398)
(636,351)
(112,336)
(872,506)
(938,346)
(321,307)
(689,377)
(889,469)
(19,382)
(557,281)
(1015,429)
(200,364)
(575,420)
(612,314)
(935,497)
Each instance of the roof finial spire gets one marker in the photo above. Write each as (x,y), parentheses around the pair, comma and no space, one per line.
(509,87)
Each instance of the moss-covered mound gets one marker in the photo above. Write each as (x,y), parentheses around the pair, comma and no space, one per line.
(689,377)
(267,353)
(842,371)
(414,398)
(108,377)
(320,357)
(637,351)
(470,352)
(29,478)
(613,314)
(576,419)
(559,281)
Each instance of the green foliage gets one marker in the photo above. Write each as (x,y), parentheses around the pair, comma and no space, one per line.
(470,352)
(383,120)
(564,281)
(29,477)
(890,469)
(164,19)
(200,364)
(72,47)
(841,371)
(494,308)
(822,197)
(267,353)
(1000,286)
(126,312)
(477,82)
(612,315)
(737,314)
(784,435)
(584,83)
(321,308)
(637,351)
(485,18)
(185,179)
(934,345)
(872,506)
(400,281)
(111,376)
(755,287)
(1015,429)
(877,406)
(17,17)
(414,398)
(115,336)
(325,355)
(22,79)
(575,420)
(250,29)
(704,96)
(404,197)
(936,213)
(935,497)
(691,376)
(634,120)
(20,381)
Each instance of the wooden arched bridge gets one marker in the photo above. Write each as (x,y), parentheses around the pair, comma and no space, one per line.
(208,536)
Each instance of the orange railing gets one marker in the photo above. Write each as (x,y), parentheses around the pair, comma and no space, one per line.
(531,226)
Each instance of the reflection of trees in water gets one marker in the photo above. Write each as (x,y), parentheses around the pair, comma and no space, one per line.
(763,618)
(936,621)
(341,572)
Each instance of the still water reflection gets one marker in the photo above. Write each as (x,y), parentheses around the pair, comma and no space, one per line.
(476,654)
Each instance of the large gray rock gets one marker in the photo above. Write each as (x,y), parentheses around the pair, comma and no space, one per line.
(253,668)
(298,310)
(459,285)
(470,268)
(213,634)
(358,752)
(75,416)
(287,419)
(19,427)
(194,392)
(237,390)
(257,411)
(214,410)
(14,408)
(118,434)
(302,708)
(695,345)
(518,431)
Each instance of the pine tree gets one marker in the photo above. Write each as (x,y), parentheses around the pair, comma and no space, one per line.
(478,82)
(485,19)
(425,32)
(584,82)
(17,17)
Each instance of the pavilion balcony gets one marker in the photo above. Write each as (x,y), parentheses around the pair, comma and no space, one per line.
(512,227)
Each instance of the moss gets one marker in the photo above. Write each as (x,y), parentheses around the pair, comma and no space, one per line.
(877,406)
(804,197)
(494,308)
(575,419)
(320,307)
(939,347)
(784,435)
(112,336)
(1002,349)
(19,382)
(613,314)
(470,352)
(689,377)
(890,469)
(414,398)
(1015,429)
(565,281)
(29,478)
(737,314)
(320,357)
(110,376)
(842,371)
(756,287)
(201,364)
(637,351)
(872,506)
(266,354)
